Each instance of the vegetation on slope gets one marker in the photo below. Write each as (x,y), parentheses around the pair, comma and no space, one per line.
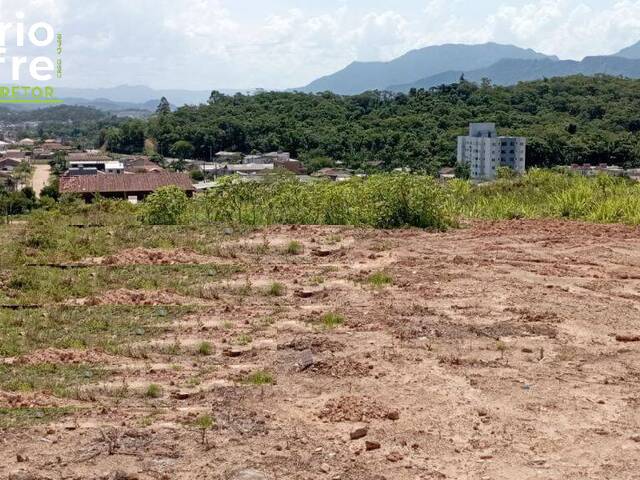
(567,120)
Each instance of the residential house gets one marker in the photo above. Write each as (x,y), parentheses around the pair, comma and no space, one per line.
(9,164)
(140,164)
(26,142)
(447,173)
(133,187)
(334,174)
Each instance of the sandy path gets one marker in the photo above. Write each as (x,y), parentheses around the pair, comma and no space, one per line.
(40,177)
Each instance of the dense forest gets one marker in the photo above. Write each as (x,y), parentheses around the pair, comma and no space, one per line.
(567,120)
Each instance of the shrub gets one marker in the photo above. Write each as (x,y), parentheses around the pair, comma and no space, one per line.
(260,377)
(164,207)
(294,248)
(204,348)
(153,391)
(379,279)
(276,289)
(331,320)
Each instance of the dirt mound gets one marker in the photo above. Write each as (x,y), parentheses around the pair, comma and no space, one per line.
(69,357)
(353,409)
(147,256)
(123,296)
(341,368)
(315,343)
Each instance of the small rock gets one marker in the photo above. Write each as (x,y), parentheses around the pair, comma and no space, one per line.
(538,461)
(22,476)
(324,468)
(359,433)
(232,352)
(635,438)
(248,474)
(394,457)
(486,456)
(394,415)
(304,293)
(370,445)
(122,475)
(305,360)
(181,395)
(21,458)
(628,338)
(527,350)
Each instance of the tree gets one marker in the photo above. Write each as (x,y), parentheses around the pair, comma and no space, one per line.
(463,171)
(215,97)
(164,107)
(165,206)
(182,149)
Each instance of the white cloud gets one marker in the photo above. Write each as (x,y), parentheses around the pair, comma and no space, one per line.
(220,43)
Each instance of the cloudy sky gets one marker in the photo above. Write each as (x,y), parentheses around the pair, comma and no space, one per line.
(204,44)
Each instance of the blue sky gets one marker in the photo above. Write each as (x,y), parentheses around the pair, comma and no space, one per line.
(202,44)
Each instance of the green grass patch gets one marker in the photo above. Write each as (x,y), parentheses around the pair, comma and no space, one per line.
(153,391)
(26,417)
(259,377)
(48,377)
(276,289)
(379,279)
(205,349)
(331,320)
(294,248)
(110,328)
(44,285)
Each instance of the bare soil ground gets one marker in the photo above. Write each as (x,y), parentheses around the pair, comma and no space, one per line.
(497,351)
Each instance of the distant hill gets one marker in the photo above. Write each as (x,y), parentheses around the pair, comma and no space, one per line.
(512,71)
(137,94)
(416,64)
(630,52)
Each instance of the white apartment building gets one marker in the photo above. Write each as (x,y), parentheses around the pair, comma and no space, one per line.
(484,151)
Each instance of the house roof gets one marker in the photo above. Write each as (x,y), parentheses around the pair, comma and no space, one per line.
(114,183)
(10,162)
(88,157)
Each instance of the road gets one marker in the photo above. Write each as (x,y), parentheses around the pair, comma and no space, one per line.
(40,177)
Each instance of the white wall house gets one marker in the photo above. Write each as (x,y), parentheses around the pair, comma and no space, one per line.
(484,151)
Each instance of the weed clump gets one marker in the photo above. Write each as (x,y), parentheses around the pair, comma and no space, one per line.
(205,349)
(379,279)
(294,248)
(276,289)
(331,320)
(260,377)
(153,391)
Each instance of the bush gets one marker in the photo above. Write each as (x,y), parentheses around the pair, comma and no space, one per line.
(164,207)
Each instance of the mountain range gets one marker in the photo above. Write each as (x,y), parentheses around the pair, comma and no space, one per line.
(422,68)
(502,64)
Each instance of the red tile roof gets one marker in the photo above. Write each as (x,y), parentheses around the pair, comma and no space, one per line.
(114,183)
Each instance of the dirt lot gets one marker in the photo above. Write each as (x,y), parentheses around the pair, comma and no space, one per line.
(501,350)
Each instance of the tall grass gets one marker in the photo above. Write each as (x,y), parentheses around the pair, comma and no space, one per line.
(382,201)
(549,194)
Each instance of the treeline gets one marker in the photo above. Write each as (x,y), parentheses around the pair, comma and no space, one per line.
(567,120)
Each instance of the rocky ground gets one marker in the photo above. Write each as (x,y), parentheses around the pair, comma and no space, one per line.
(496,351)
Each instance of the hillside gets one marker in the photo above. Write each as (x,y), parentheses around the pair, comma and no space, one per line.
(361,76)
(571,119)
(512,71)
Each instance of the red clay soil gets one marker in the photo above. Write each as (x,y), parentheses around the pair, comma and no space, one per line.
(494,354)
